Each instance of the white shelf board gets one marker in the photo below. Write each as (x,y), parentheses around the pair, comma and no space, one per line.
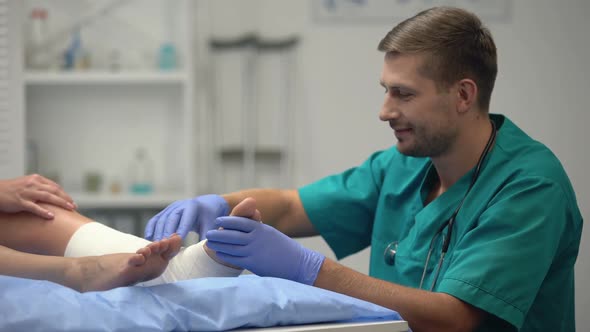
(266,149)
(124,200)
(104,77)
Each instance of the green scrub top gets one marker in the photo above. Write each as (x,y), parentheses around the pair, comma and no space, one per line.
(514,243)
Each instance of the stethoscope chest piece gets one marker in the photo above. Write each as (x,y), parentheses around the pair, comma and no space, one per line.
(389,253)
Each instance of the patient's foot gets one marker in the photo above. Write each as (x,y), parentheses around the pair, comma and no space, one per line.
(247,209)
(95,273)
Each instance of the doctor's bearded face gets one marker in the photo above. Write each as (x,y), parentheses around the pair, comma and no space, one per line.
(421,115)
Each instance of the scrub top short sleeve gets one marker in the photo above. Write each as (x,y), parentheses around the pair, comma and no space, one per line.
(342,207)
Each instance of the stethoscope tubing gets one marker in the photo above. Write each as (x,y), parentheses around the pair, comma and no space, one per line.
(451,221)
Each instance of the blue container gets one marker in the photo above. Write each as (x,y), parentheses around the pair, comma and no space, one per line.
(167,57)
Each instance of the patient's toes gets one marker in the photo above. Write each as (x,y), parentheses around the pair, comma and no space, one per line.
(155,247)
(174,244)
(138,259)
(145,251)
(247,209)
(257,216)
(164,245)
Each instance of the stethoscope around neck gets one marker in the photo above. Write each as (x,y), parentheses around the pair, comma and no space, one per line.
(391,249)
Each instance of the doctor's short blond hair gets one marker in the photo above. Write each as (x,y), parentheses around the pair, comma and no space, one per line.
(456,44)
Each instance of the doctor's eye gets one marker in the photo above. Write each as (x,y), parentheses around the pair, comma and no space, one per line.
(401,94)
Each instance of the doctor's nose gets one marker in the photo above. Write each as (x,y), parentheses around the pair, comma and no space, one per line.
(388,112)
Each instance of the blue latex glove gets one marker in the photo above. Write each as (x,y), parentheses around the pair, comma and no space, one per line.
(263,250)
(183,216)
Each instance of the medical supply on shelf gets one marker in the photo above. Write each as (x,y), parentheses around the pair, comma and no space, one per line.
(167,57)
(92,182)
(76,55)
(115,186)
(141,173)
(37,53)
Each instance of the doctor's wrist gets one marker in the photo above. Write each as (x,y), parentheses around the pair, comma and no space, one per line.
(310,267)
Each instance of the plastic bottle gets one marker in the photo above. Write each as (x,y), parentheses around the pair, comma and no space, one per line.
(141,173)
(76,55)
(72,51)
(167,57)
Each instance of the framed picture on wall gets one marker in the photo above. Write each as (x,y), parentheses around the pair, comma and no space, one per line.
(383,11)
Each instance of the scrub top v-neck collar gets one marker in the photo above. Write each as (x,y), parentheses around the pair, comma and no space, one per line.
(442,206)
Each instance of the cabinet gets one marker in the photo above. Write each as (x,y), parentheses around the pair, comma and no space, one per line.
(85,125)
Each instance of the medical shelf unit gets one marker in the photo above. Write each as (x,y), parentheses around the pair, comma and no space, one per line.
(54,78)
(252,89)
(88,122)
(12,156)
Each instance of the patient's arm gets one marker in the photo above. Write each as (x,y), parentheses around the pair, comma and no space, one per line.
(92,273)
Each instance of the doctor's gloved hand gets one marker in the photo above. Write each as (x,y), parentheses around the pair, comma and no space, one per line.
(263,250)
(195,214)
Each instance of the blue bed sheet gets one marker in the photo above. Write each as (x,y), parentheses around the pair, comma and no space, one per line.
(209,304)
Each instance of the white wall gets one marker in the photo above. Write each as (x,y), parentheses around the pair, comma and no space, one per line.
(542,86)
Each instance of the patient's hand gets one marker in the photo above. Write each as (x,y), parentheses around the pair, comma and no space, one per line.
(95,273)
(26,192)
(247,209)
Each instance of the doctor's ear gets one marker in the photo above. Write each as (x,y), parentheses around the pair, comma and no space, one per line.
(466,95)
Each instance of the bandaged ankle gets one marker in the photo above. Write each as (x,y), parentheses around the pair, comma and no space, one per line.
(193,262)
(95,239)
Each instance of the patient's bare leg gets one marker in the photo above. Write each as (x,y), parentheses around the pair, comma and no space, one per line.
(29,233)
(92,272)
(92,239)
(83,237)
(247,209)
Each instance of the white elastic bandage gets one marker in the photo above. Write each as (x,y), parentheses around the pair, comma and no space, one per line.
(95,239)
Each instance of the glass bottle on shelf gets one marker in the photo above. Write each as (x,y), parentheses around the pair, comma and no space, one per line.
(76,56)
(37,51)
(141,173)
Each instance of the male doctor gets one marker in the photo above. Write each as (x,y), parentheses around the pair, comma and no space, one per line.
(472,224)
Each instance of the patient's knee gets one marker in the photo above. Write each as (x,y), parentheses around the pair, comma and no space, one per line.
(66,215)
